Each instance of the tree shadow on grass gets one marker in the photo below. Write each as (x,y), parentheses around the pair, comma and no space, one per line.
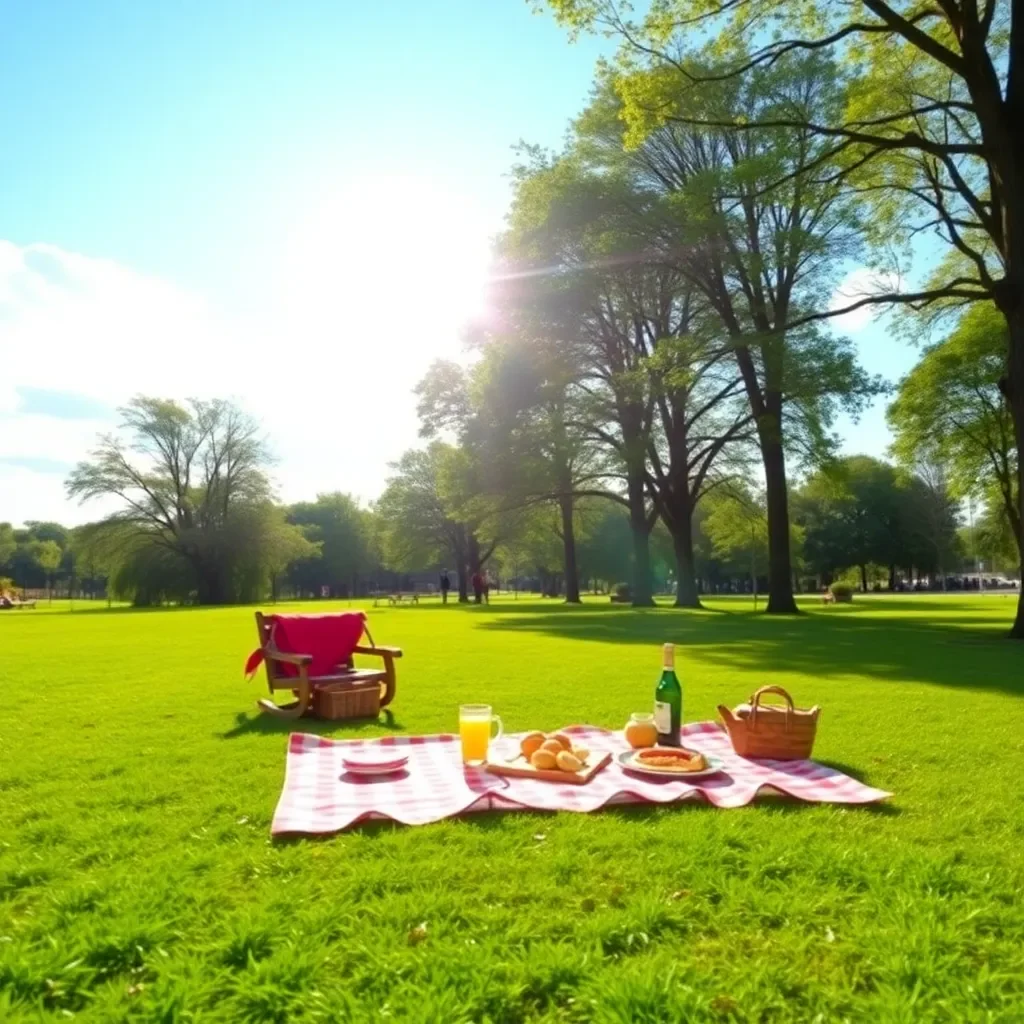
(250,723)
(962,650)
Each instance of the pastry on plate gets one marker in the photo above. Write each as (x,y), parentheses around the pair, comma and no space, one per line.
(672,760)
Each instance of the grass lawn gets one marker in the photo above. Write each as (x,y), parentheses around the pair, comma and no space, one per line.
(138,881)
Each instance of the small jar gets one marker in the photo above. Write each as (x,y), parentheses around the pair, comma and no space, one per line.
(640,730)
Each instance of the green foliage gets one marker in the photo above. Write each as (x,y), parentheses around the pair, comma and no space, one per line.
(33,555)
(861,511)
(138,881)
(735,521)
(346,549)
(604,550)
(841,591)
(195,503)
(432,513)
(8,544)
(950,409)
(48,555)
(911,122)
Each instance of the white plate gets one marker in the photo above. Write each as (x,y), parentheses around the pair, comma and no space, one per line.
(625,759)
(374,764)
(368,771)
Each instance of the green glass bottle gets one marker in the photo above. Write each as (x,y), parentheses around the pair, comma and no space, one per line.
(668,701)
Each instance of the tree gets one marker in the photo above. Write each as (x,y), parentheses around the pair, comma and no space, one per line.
(427,516)
(276,545)
(604,552)
(759,236)
(929,132)
(858,512)
(930,514)
(190,480)
(566,259)
(699,418)
(95,555)
(736,523)
(8,544)
(950,409)
(344,534)
(989,540)
(48,556)
(513,412)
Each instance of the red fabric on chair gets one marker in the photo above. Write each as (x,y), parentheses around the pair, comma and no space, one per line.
(328,639)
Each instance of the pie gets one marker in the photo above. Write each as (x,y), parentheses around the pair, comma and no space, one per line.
(676,762)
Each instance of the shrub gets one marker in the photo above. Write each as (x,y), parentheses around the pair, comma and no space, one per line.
(622,593)
(841,592)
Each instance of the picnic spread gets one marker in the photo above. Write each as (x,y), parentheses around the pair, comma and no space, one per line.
(320,796)
(331,784)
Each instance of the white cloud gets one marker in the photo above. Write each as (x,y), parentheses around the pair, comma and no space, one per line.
(367,300)
(860,284)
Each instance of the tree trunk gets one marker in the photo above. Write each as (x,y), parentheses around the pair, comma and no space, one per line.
(780,585)
(572,581)
(687,594)
(473,553)
(641,539)
(209,584)
(1015,394)
(863,579)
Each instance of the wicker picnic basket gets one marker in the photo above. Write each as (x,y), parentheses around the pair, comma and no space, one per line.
(767,730)
(347,700)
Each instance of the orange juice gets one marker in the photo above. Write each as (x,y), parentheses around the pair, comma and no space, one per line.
(476,736)
(475,722)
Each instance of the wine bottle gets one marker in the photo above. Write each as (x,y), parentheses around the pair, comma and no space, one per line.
(668,701)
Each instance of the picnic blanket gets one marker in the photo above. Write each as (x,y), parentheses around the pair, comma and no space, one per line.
(319,796)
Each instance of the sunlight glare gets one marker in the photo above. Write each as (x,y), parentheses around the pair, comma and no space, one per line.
(399,257)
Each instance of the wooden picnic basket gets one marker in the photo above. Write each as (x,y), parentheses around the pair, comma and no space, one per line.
(767,730)
(335,701)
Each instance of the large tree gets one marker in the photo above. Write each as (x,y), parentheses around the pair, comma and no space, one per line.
(564,257)
(929,133)
(192,489)
(757,236)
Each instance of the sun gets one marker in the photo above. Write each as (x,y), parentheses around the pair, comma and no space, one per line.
(399,251)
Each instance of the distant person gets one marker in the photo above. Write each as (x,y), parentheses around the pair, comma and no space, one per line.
(487,588)
(446,585)
(478,587)
(5,600)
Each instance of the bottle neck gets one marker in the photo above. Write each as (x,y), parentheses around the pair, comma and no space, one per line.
(668,658)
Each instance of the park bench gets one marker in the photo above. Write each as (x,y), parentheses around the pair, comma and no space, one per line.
(396,598)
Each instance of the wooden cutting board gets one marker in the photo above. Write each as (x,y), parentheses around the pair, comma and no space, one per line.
(522,769)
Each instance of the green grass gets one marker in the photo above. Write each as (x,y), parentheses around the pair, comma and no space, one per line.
(138,881)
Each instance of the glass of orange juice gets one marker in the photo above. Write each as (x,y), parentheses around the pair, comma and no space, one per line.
(475,731)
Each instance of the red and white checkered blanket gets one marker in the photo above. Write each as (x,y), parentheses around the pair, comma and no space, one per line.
(319,796)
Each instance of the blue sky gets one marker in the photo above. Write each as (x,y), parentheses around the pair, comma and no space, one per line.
(288,203)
